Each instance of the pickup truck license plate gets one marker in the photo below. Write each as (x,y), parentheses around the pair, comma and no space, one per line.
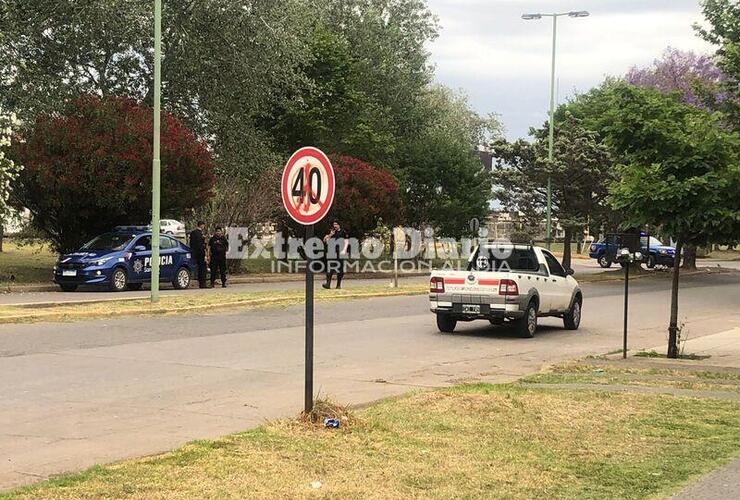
(471,309)
(66,272)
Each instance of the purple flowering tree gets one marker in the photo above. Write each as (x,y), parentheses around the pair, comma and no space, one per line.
(695,76)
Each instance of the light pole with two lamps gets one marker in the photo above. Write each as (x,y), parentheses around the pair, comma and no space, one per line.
(554,15)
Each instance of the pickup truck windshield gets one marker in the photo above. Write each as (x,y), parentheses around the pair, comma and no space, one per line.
(489,259)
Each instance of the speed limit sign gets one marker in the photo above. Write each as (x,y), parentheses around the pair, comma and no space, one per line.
(307,186)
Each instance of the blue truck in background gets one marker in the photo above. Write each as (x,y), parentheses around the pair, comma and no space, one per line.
(654,252)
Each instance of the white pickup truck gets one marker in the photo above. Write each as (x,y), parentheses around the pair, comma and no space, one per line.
(506,282)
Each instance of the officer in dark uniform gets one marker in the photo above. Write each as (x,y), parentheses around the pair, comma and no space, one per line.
(198,247)
(218,245)
(337,242)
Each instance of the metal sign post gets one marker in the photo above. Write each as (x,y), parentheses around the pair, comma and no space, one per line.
(626,305)
(307,189)
(308,389)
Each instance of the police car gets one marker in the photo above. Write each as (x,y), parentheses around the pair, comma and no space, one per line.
(122,260)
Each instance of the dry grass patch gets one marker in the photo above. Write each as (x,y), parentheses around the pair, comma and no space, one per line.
(474,441)
(194,303)
(606,374)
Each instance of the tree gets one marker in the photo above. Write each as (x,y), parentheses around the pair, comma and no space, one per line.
(443,183)
(9,170)
(367,67)
(225,64)
(680,172)
(698,81)
(89,169)
(366,196)
(695,77)
(723,31)
(581,171)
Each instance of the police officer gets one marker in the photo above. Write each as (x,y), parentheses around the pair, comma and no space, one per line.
(218,245)
(337,242)
(198,247)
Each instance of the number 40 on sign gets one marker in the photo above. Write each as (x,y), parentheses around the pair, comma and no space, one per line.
(308,185)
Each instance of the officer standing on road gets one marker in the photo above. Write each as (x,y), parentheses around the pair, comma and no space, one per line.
(198,247)
(337,242)
(218,245)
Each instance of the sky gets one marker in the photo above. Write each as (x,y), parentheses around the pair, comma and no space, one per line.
(503,62)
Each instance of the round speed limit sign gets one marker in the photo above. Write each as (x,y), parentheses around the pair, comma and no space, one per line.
(307,186)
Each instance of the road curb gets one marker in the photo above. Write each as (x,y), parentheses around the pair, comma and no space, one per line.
(236,280)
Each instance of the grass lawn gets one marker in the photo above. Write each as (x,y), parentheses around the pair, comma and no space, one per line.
(193,303)
(648,375)
(28,263)
(470,441)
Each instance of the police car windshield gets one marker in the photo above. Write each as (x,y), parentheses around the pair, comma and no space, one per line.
(109,241)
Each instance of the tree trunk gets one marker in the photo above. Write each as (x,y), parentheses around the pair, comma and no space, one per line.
(689,257)
(673,326)
(566,247)
(2,235)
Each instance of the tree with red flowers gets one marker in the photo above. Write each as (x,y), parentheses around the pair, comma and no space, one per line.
(365,196)
(88,169)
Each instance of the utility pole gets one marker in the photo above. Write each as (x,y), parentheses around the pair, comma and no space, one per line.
(155,142)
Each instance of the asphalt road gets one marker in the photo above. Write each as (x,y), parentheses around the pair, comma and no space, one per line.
(581,266)
(77,394)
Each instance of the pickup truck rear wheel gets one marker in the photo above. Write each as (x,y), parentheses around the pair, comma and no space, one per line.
(446,323)
(572,319)
(604,261)
(527,326)
(651,262)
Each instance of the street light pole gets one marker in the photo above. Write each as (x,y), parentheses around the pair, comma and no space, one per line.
(552,132)
(155,152)
(551,138)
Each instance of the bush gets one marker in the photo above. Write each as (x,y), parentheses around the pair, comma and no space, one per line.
(90,168)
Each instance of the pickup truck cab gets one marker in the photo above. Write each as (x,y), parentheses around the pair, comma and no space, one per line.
(506,282)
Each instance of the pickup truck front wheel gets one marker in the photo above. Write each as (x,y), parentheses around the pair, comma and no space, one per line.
(527,326)
(446,323)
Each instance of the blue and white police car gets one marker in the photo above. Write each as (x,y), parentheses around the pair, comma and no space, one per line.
(122,260)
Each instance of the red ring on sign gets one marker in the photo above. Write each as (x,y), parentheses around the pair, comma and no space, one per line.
(294,211)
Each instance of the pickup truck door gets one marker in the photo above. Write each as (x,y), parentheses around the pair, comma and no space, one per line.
(559,288)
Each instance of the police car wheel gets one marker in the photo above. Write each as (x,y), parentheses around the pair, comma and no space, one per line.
(182,279)
(118,280)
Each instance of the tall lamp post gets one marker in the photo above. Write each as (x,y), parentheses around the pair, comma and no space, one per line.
(155,152)
(554,15)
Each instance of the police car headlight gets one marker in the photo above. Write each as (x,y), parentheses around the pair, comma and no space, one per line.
(663,251)
(100,262)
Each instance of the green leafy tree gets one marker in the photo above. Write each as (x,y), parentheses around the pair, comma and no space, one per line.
(443,183)
(698,81)
(9,170)
(680,171)
(581,171)
(723,31)
(225,64)
(89,169)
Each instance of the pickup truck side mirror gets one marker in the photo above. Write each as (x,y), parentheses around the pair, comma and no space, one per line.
(139,248)
(570,272)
